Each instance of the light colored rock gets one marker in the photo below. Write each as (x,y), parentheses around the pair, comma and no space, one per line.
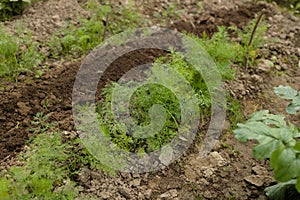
(256,180)
(125,192)
(148,193)
(207,173)
(216,159)
(259,170)
(55,17)
(136,182)
(265,65)
(207,194)
(169,194)
(203,181)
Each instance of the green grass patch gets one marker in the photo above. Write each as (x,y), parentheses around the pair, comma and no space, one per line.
(17,53)
(20,53)
(105,19)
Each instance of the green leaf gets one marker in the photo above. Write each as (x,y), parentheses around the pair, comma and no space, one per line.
(294,106)
(278,191)
(285,163)
(265,148)
(285,92)
(287,136)
(271,131)
(268,138)
(268,119)
(106,9)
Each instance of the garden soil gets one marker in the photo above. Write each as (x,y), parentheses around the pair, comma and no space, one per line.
(229,172)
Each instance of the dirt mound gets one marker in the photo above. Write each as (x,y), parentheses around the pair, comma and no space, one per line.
(209,20)
(20,102)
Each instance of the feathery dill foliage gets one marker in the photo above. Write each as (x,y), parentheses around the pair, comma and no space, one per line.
(17,53)
(49,165)
(144,98)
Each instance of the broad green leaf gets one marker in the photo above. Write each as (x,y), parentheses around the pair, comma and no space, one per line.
(268,119)
(251,130)
(271,131)
(285,163)
(257,116)
(295,130)
(265,148)
(287,136)
(269,138)
(285,92)
(296,100)
(294,106)
(278,191)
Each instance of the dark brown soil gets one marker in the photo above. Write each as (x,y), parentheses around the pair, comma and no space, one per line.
(209,20)
(20,102)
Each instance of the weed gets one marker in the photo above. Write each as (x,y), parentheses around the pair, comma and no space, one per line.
(172,11)
(222,50)
(80,157)
(233,196)
(286,92)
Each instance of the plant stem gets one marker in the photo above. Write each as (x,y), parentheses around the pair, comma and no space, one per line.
(251,39)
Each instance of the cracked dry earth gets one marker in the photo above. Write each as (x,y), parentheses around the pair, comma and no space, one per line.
(229,171)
